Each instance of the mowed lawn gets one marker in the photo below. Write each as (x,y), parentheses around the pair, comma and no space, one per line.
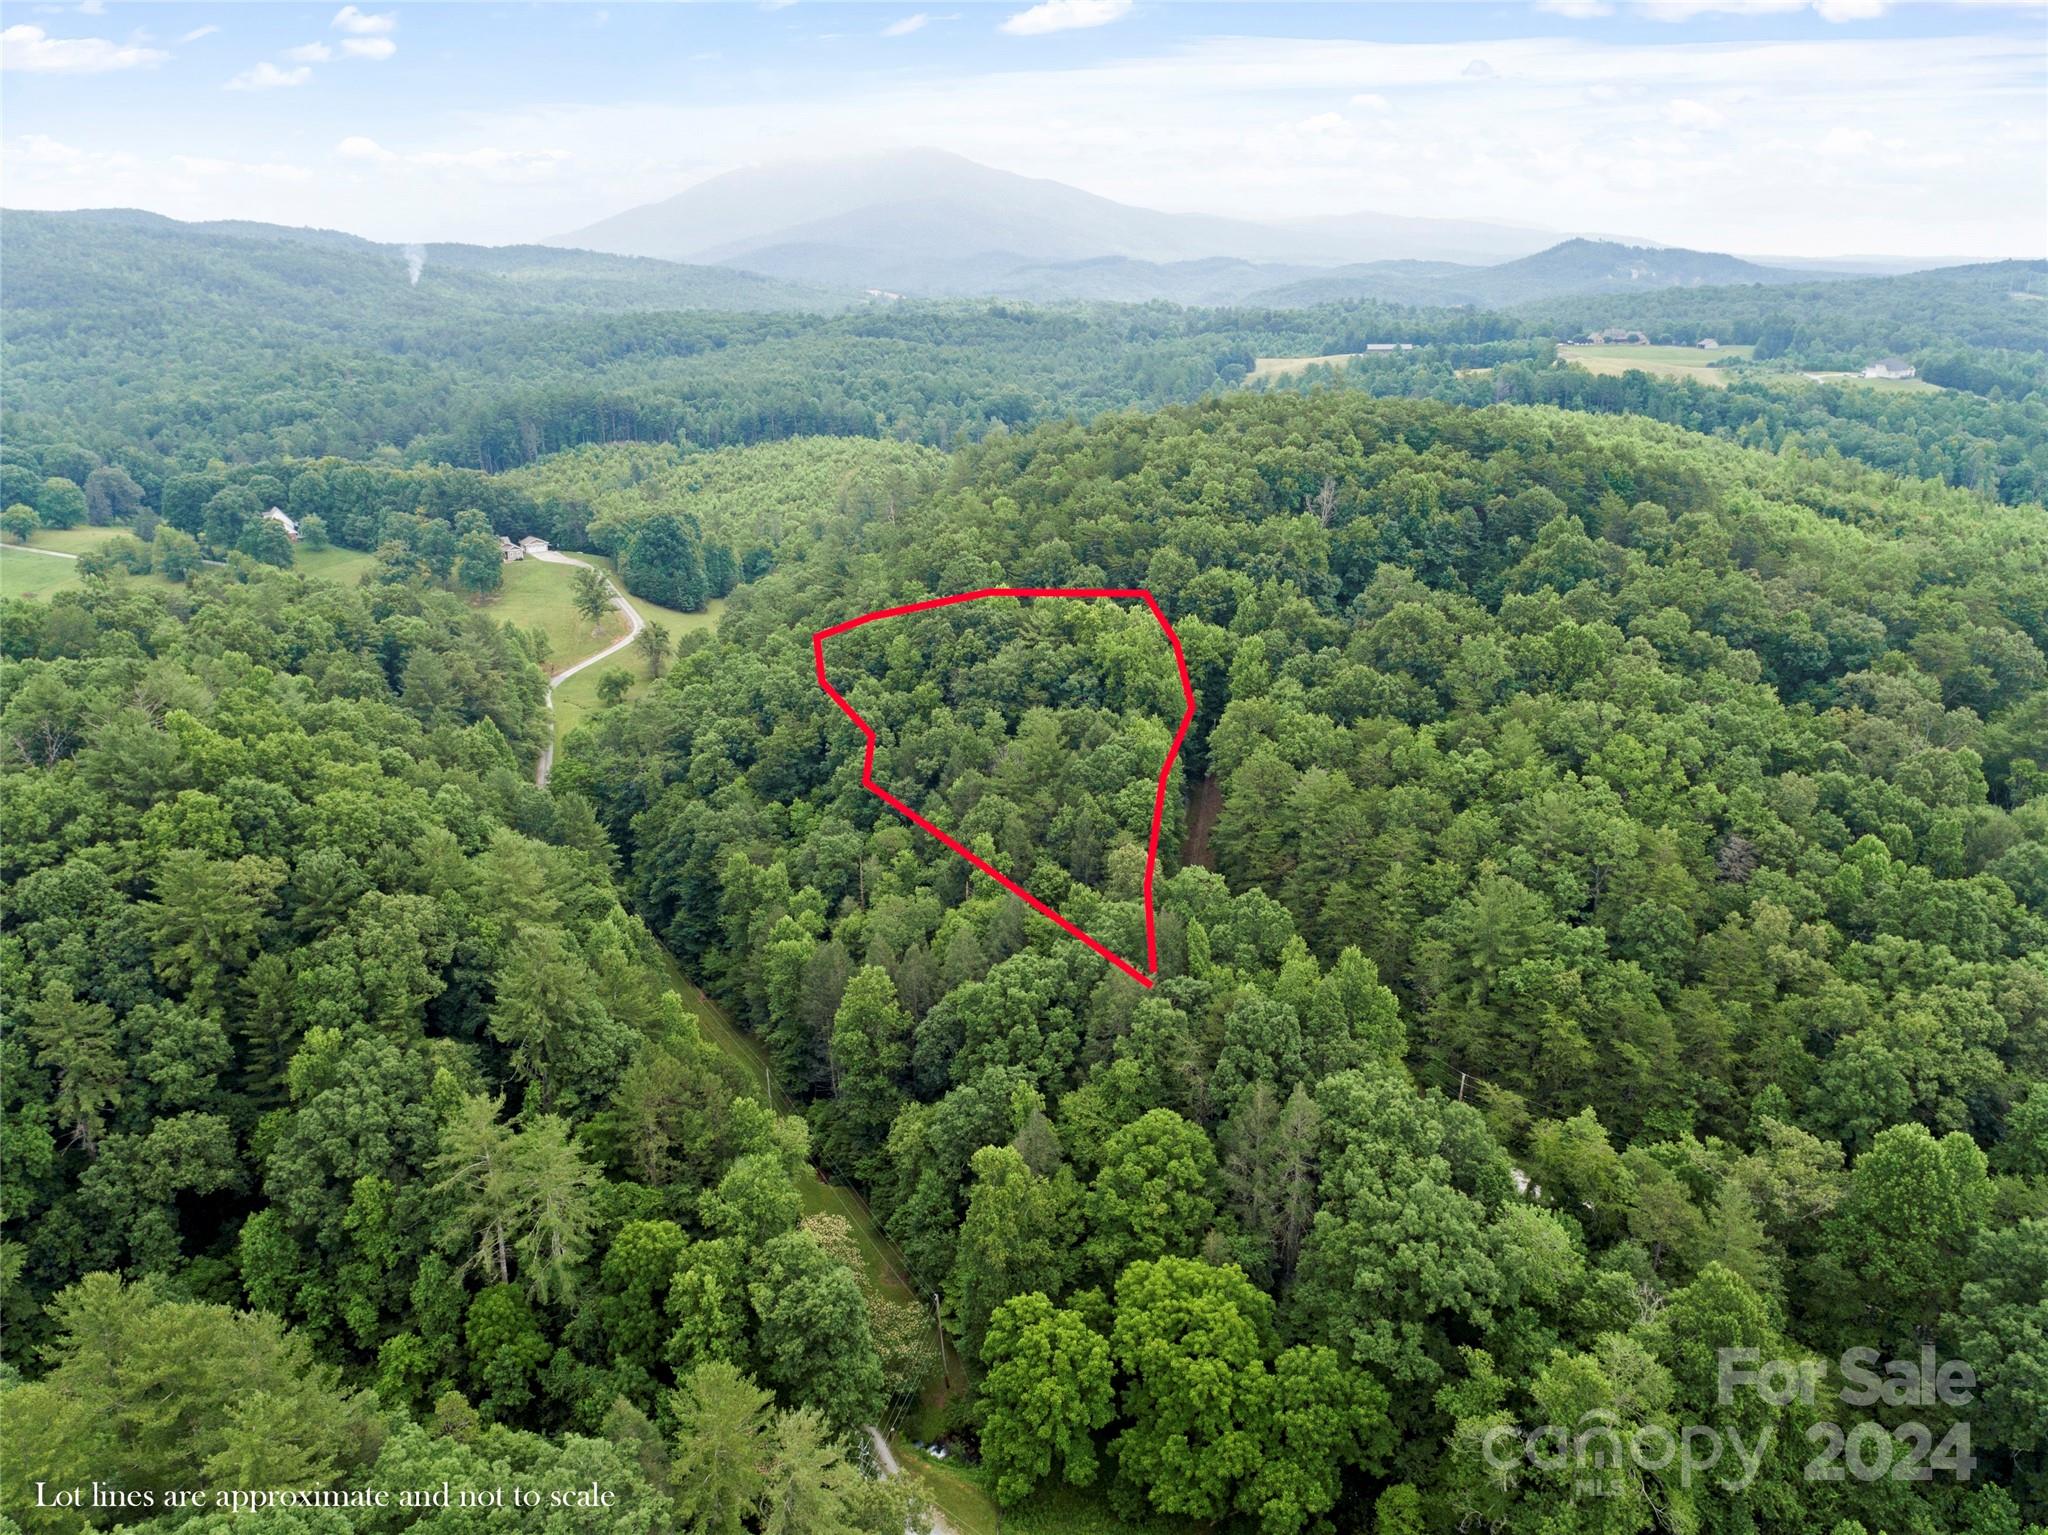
(956,1494)
(72,540)
(541,595)
(26,574)
(1663,361)
(577,699)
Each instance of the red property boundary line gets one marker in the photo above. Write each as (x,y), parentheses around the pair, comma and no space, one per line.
(867,767)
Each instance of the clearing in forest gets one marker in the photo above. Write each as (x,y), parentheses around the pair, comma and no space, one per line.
(1106,686)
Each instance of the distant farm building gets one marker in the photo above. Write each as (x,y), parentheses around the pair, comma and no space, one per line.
(1889,367)
(1614,335)
(1709,344)
(1390,346)
(534,545)
(278,515)
(509,550)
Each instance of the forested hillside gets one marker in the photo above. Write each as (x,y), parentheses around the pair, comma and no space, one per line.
(1994,442)
(1995,306)
(320,1007)
(1625,941)
(1602,907)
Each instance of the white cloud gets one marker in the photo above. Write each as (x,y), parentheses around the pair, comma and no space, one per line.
(92,7)
(309,53)
(490,162)
(1827,10)
(906,26)
(1479,69)
(38,152)
(368,47)
(268,77)
(1684,112)
(1372,101)
(34,50)
(1229,124)
(1066,15)
(1576,10)
(242,170)
(349,19)
(198,32)
(1847,143)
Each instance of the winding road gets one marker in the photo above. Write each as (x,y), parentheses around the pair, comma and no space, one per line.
(634,625)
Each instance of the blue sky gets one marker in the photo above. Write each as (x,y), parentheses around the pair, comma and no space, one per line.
(1762,126)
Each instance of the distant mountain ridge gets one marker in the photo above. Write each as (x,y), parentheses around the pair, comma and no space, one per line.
(926,223)
(1572,266)
(599,279)
(942,207)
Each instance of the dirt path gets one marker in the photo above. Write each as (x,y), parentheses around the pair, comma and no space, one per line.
(633,627)
(1202,813)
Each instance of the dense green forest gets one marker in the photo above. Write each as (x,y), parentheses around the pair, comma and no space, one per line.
(1996,444)
(1659,819)
(167,347)
(320,1007)
(1602,908)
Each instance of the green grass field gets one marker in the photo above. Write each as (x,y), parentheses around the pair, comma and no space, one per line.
(539,595)
(72,540)
(31,575)
(954,1493)
(23,574)
(1281,367)
(1662,361)
(333,564)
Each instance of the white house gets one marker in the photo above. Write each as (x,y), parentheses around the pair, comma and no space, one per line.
(1709,344)
(278,515)
(534,545)
(1889,367)
(509,550)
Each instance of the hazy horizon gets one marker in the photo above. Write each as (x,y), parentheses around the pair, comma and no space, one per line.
(1841,129)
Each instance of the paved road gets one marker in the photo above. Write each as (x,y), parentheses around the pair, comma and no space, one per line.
(633,628)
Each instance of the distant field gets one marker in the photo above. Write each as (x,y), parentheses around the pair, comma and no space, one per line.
(1908,385)
(1280,367)
(1662,361)
(333,564)
(27,577)
(71,540)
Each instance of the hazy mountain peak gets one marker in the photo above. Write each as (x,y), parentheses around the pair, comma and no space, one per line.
(922,206)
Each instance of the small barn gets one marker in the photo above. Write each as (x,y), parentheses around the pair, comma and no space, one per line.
(282,518)
(1889,367)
